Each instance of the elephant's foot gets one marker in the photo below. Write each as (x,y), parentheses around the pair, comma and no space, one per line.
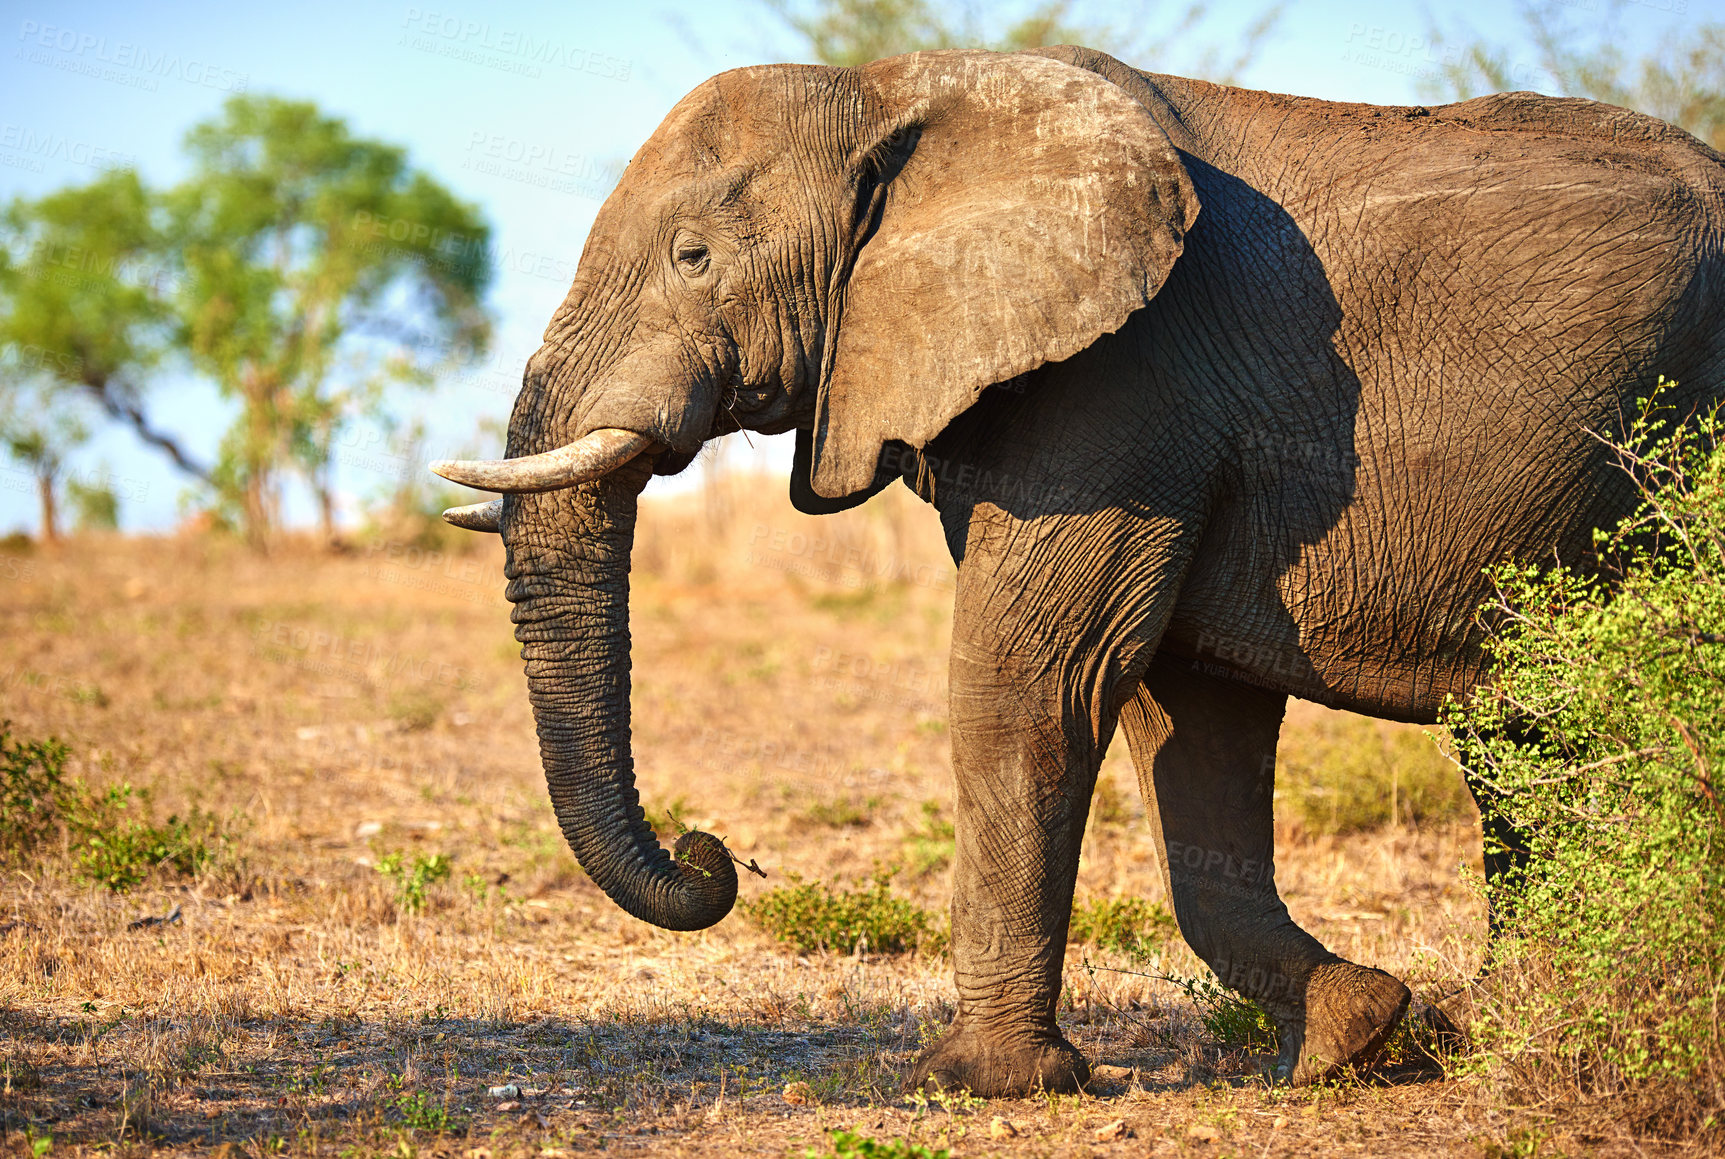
(1350,1013)
(993,1067)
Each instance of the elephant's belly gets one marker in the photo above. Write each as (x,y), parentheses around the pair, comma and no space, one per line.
(1369,614)
(1384,683)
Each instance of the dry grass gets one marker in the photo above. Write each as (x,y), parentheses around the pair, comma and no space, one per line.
(345,708)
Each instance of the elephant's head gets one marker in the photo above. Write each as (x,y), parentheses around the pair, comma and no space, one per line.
(853,253)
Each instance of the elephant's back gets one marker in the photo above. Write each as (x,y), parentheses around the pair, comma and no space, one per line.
(1499,279)
(1575,118)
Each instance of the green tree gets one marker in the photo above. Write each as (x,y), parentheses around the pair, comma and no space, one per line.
(39,435)
(95,505)
(84,317)
(1682,81)
(853,32)
(302,249)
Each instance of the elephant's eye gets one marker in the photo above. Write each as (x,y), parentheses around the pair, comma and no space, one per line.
(692,257)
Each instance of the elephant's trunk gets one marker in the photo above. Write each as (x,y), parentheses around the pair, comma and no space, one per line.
(569,581)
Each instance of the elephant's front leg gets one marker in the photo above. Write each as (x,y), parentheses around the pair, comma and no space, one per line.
(1052,620)
(1023,793)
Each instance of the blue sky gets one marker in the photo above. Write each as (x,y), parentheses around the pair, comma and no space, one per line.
(531,136)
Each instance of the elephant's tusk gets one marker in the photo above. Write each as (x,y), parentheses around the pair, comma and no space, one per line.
(585,459)
(476,516)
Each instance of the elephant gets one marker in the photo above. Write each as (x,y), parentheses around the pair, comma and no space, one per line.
(1221,396)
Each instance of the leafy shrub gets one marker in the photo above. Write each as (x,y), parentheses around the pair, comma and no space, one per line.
(95,505)
(420,1113)
(931,845)
(850,1145)
(119,850)
(813,916)
(1235,1022)
(1127,924)
(415,709)
(413,878)
(1108,804)
(842,812)
(33,792)
(666,819)
(1609,969)
(1346,774)
(110,835)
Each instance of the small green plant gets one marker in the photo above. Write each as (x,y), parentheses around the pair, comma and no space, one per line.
(813,916)
(415,709)
(1108,805)
(842,812)
(953,1102)
(111,836)
(476,886)
(1235,1022)
(120,850)
(34,792)
(95,505)
(420,1113)
(88,694)
(313,1082)
(40,1144)
(413,877)
(930,846)
(847,605)
(1127,924)
(850,1145)
(665,818)
(18,1073)
(1347,774)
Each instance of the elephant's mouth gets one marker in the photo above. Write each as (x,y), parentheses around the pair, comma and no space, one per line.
(768,409)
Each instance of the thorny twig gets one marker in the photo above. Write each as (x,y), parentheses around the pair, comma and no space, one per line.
(748,865)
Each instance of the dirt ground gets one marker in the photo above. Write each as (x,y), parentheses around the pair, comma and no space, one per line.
(789,694)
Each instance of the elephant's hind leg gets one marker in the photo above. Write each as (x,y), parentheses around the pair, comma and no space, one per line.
(1205,748)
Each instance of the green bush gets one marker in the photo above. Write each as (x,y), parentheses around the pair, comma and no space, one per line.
(930,846)
(415,709)
(413,877)
(1127,924)
(33,792)
(1108,804)
(1347,774)
(95,506)
(850,1145)
(110,835)
(1608,975)
(812,916)
(842,812)
(420,1113)
(1235,1022)
(120,850)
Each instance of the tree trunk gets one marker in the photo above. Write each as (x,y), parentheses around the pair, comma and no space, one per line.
(45,480)
(326,514)
(256,511)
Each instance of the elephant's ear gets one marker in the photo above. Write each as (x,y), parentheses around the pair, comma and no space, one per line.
(1030,207)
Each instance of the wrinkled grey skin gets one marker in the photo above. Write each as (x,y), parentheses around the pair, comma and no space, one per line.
(1281,377)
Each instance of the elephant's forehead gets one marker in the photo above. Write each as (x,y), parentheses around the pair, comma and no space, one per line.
(748,114)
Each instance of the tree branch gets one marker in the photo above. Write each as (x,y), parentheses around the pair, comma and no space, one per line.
(130,413)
